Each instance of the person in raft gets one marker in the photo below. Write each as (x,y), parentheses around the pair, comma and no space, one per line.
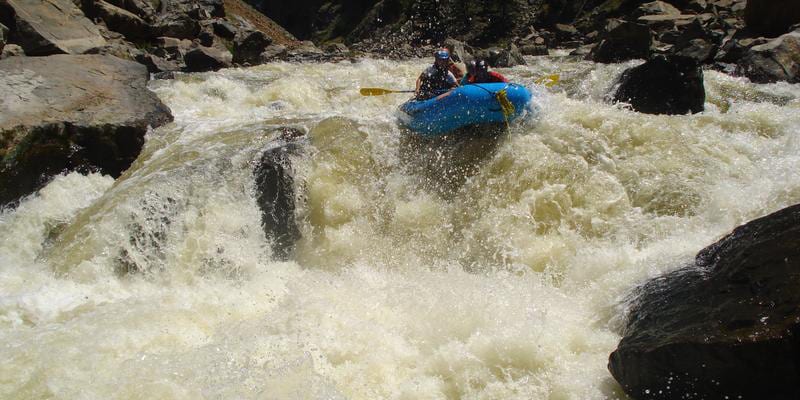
(478,72)
(437,78)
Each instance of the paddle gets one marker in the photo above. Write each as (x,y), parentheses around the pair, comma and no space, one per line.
(381,92)
(548,80)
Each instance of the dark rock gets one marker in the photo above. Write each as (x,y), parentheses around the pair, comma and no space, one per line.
(699,50)
(11,50)
(696,6)
(304,51)
(71,113)
(501,58)
(566,32)
(170,48)
(224,30)
(583,51)
(117,48)
(684,32)
(335,48)
(735,46)
(724,328)
(120,20)
(663,85)
(665,21)
(156,64)
(273,53)
(623,42)
(3,36)
(534,50)
(275,196)
(142,8)
(206,38)
(459,51)
(203,59)
(247,48)
(776,60)
(771,17)
(655,8)
(164,75)
(51,27)
(180,26)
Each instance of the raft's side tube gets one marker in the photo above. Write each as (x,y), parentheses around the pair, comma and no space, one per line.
(466,105)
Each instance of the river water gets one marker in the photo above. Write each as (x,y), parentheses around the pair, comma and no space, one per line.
(488,268)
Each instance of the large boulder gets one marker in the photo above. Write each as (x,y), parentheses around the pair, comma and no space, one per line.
(459,51)
(201,59)
(67,113)
(145,9)
(120,20)
(500,57)
(663,85)
(175,25)
(771,17)
(727,327)
(275,193)
(247,47)
(51,27)
(776,60)
(623,41)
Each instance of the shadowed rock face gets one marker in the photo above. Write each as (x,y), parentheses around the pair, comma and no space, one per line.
(771,17)
(725,327)
(275,195)
(663,85)
(51,27)
(71,113)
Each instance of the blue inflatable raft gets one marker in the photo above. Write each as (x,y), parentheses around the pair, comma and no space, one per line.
(476,104)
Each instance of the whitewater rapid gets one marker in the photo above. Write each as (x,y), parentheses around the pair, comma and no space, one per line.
(491,268)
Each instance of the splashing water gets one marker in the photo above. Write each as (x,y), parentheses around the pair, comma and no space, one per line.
(487,268)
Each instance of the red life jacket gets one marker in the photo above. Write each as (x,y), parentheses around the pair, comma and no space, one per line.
(491,77)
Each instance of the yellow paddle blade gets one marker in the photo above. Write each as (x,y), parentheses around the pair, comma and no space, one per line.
(548,80)
(374,91)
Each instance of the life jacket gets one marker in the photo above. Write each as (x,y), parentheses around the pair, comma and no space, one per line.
(434,82)
(491,76)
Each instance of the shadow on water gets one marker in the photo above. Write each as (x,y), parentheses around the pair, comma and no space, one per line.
(446,162)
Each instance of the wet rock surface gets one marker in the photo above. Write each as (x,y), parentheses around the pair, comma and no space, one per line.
(71,113)
(275,193)
(663,85)
(724,328)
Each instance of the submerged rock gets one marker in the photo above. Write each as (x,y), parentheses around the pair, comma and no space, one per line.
(71,113)
(724,328)
(275,187)
(663,85)
(51,27)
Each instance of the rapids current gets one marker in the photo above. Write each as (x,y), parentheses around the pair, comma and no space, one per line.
(486,268)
